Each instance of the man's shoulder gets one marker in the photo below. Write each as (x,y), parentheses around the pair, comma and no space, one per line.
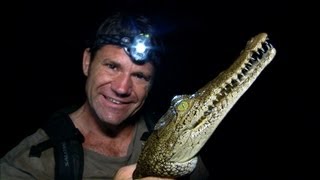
(18,160)
(22,149)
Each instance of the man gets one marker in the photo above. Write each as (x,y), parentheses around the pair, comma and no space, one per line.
(120,66)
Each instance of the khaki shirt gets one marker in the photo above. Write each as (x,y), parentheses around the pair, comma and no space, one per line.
(17,164)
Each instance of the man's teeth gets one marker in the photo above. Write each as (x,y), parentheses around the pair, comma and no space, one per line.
(114,101)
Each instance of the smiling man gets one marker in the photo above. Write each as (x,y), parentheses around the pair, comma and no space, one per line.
(100,139)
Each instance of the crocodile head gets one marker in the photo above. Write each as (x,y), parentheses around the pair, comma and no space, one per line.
(183,130)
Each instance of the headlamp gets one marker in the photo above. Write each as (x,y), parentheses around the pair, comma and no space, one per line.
(138,47)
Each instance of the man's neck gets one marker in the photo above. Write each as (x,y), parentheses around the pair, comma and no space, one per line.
(104,139)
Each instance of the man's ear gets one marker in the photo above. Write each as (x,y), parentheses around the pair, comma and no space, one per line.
(86,59)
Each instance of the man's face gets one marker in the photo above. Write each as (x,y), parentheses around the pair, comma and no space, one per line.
(116,87)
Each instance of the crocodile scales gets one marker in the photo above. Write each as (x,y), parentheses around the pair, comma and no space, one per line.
(170,151)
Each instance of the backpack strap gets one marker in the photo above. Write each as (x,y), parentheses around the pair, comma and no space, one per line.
(149,118)
(66,140)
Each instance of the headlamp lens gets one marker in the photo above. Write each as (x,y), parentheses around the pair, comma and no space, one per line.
(138,48)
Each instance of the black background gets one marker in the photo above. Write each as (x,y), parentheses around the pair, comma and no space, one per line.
(270,132)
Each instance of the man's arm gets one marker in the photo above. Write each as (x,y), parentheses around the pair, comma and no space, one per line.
(125,173)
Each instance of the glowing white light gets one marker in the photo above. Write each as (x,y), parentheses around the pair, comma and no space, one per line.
(140,48)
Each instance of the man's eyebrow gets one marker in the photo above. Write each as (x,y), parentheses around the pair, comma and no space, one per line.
(109,60)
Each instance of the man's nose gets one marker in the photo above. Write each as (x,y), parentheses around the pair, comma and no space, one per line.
(122,85)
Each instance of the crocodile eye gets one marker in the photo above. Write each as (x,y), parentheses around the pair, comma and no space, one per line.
(182,106)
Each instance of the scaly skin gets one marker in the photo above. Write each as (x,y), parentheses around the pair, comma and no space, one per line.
(182,131)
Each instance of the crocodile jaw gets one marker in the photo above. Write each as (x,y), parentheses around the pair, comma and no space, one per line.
(183,130)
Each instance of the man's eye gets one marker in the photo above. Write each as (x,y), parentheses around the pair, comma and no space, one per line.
(142,76)
(111,66)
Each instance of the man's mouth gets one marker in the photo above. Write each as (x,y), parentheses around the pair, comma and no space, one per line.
(113,100)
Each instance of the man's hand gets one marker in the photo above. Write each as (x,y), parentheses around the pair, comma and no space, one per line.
(125,173)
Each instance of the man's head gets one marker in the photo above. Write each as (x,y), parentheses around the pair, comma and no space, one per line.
(117,82)
(134,33)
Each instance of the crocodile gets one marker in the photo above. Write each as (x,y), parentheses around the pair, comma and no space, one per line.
(171,150)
